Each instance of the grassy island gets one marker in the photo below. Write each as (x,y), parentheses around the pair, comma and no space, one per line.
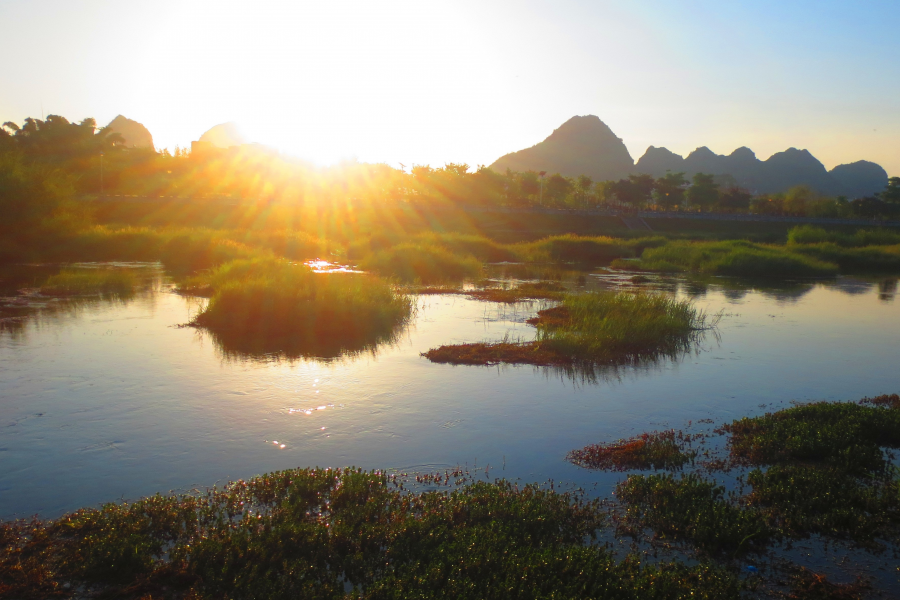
(83,282)
(268,305)
(594,327)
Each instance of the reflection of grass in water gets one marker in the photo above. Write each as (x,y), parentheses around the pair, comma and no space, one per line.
(306,533)
(90,281)
(596,327)
(264,306)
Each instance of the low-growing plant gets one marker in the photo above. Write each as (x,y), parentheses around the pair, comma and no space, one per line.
(657,450)
(312,533)
(693,509)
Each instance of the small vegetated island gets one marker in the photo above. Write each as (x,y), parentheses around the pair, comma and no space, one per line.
(594,328)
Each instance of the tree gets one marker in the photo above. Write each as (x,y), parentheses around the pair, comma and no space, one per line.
(642,185)
(529,184)
(703,193)
(584,185)
(670,189)
(734,199)
(891,193)
(558,188)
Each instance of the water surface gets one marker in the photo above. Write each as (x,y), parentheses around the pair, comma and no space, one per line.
(105,399)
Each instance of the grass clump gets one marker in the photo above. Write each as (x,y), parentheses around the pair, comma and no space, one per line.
(691,508)
(735,258)
(657,450)
(827,470)
(838,434)
(83,282)
(265,305)
(308,532)
(867,259)
(409,262)
(596,328)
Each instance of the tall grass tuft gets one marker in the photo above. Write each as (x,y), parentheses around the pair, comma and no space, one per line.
(809,234)
(262,306)
(80,282)
(422,263)
(620,327)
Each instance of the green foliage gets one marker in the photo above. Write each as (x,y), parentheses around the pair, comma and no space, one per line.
(422,263)
(621,327)
(74,282)
(703,193)
(843,435)
(809,234)
(576,249)
(804,499)
(268,305)
(738,258)
(690,508)
(304,532)
(31,194)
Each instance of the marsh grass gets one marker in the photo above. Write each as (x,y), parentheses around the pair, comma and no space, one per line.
(656,450)
(595,328)
(264,305)
(82,282)
(422,263)
(815,469)
(734,258)
(690,508)
(306,533)
(809,234)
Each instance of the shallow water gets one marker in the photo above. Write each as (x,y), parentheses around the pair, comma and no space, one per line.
(107,398)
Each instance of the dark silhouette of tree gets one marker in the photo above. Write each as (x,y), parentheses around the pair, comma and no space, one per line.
(584,185)
(891,193)
(703,193)
(558,188)
(734,200)
(670,189)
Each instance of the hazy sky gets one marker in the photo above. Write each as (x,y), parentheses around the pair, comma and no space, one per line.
(467,81)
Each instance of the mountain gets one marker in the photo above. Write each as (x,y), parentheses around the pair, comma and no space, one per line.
(224,135)
(580,146)
(861,178)
(778,173)
(135,134)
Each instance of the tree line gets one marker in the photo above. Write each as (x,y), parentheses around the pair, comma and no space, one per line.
(57,158)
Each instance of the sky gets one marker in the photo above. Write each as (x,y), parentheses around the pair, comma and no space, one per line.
(413,82)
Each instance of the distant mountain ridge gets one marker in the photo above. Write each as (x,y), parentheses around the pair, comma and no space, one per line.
(585,145)
(780,172)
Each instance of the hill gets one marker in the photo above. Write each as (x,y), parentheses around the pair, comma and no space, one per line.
(580,146)
(134,133)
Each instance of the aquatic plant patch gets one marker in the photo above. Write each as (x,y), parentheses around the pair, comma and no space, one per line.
(597,328)
(262,306)
(420,263)
(657,450)
(311,532)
